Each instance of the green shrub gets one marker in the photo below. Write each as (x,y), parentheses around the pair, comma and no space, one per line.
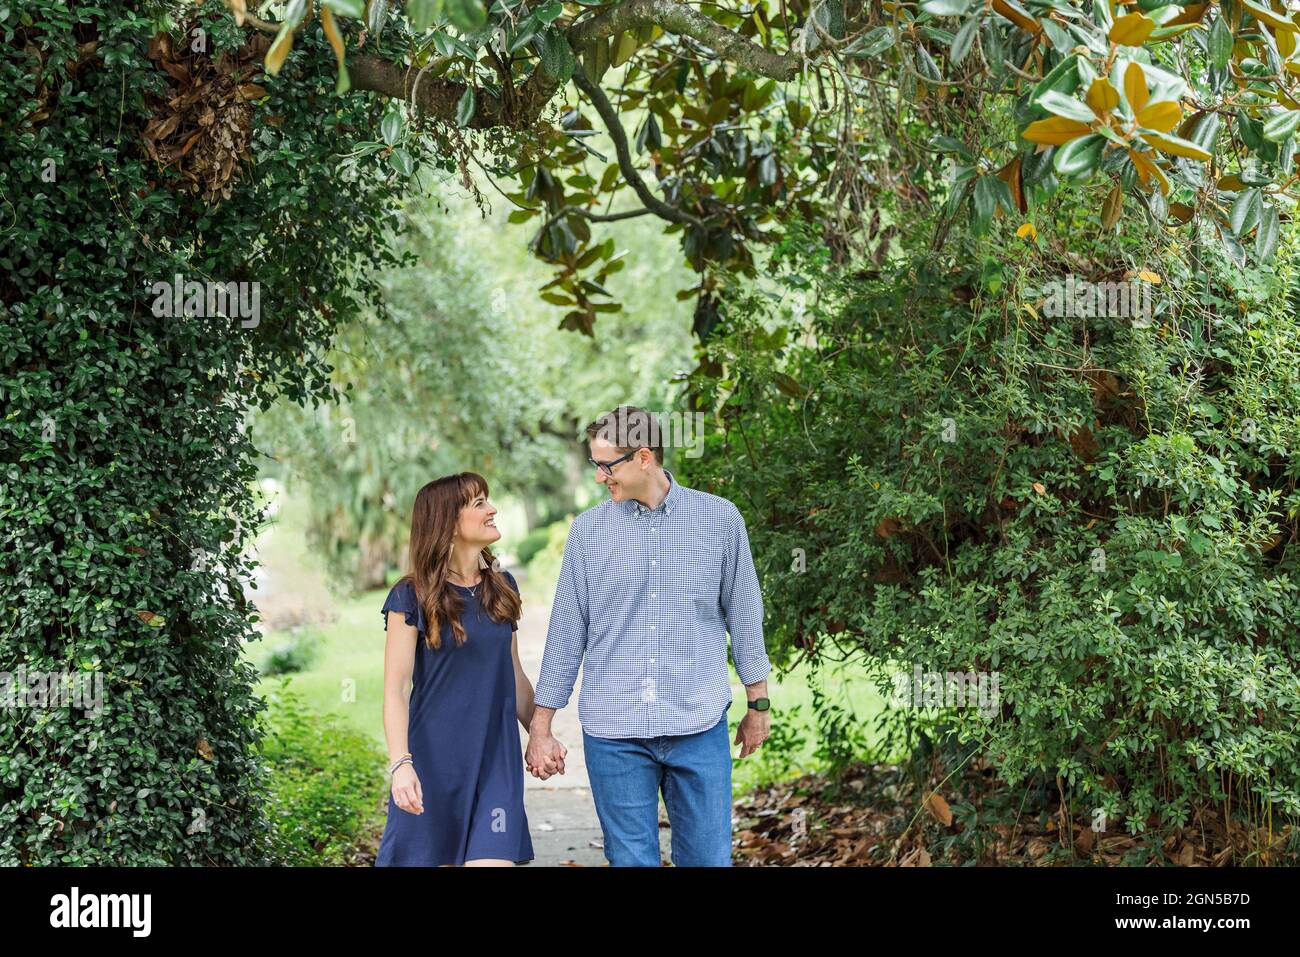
(294,654)
(533,543)
(1101,511)
(327,783)
(544,569)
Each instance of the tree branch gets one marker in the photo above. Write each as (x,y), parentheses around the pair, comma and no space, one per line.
(610,117)
(589,215)
(439,97)
(680,19)
(526,105)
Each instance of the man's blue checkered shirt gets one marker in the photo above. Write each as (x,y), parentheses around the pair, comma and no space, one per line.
(644,602)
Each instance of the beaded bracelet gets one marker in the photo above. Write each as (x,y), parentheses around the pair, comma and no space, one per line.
(404,759)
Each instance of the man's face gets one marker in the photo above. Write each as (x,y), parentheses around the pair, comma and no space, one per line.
(627,475)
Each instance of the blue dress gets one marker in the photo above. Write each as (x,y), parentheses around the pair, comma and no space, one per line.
(463,736)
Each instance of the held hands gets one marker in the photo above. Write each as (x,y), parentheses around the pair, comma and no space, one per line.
(406,790)
(753,731)
(545,755)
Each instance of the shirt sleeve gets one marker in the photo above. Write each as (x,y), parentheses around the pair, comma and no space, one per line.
(742,604)
(401,598)
(566,636)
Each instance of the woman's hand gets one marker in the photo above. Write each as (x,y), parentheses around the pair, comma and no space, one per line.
(545,755)
(406,790)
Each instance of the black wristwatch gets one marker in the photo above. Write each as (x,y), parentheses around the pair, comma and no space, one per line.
(760,704)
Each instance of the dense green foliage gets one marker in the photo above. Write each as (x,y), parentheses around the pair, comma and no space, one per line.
(1101,509)
(124,468)
(326,782)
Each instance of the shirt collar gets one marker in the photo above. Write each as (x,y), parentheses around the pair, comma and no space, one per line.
(670,502)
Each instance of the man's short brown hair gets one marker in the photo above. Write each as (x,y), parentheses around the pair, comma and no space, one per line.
(628,428)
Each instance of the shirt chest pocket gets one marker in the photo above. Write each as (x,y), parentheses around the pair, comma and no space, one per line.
(696,574)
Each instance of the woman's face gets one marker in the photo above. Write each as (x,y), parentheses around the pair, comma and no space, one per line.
(477,524)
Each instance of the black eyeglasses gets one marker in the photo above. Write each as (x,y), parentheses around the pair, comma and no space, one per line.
(608,467)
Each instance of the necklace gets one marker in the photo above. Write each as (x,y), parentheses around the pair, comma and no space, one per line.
(473,587)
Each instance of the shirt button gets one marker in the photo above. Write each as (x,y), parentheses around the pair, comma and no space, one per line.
(654,594)
(653,562)
(654,529)
(652,627)
(652,661)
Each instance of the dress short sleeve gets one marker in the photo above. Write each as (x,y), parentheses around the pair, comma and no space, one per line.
(511,579)
(402,598)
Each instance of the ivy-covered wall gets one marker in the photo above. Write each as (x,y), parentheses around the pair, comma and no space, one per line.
(137,150)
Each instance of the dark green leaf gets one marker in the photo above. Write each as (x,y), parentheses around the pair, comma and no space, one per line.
(1280,126)
(1081,156)
(1220,42)
(961,43)
(1245,211)
(465,107)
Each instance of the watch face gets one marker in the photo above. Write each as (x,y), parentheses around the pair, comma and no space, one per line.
(759,704)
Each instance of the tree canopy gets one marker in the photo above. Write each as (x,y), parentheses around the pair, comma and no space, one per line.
(741,114)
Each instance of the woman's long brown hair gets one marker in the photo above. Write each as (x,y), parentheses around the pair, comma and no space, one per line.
(433,520)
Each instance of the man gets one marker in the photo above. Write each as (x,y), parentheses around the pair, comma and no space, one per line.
(651,582)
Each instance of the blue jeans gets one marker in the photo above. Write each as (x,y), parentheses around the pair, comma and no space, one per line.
(694,771)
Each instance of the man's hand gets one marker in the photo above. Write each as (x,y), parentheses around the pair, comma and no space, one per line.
(545,755)
(753,731)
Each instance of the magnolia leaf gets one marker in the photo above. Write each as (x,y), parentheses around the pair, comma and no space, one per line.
(1080,156)
(1220,42)
(961,43)
(275,56)
(1055,131)
(1162,116)
(376,16)
(1066,106)
(946,8)
(335,37)
(1135,86)
(1017,15)
(1262,13)
(1245,212)
(465,107)
(1063,78)
(1102,96)
(1147,170)
(1175,145)
(1111,208)
(1280,126)
(1266,237)
(1131,30)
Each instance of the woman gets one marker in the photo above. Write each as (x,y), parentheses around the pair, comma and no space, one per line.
(456,742)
